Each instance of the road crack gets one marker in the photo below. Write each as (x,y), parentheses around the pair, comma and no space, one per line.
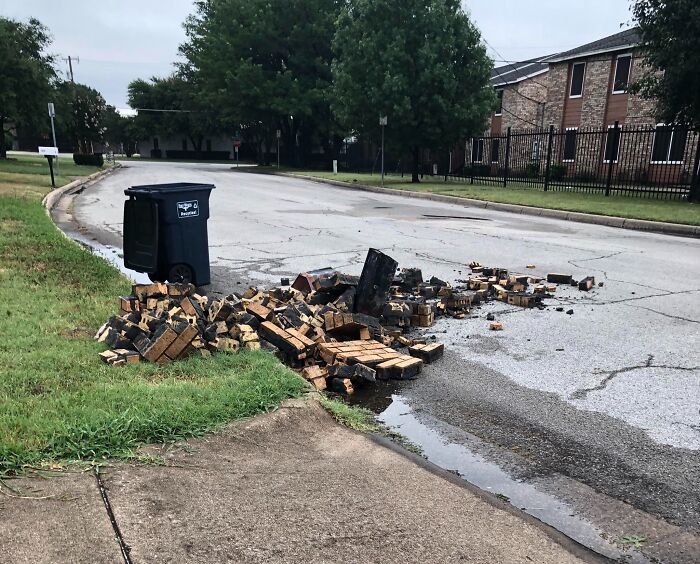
(666,314)
(612,374)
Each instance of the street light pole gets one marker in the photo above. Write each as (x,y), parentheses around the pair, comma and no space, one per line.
(279,134)
(52,114)
(382,123)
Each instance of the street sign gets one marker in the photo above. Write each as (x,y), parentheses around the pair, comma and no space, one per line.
(382,120)
(48,151)
(279,133)
(236,143)
(52,110)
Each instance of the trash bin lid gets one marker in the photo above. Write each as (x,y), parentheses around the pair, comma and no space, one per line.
(172,188)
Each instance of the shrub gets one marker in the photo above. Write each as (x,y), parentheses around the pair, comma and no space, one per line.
(156,153)
(557,171)
(95,159)
(532,170)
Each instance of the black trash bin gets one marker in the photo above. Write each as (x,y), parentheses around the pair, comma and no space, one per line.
(165,231)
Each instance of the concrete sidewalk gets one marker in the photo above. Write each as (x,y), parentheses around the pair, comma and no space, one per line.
(289,486)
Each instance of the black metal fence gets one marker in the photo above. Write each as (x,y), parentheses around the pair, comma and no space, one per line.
(657,162)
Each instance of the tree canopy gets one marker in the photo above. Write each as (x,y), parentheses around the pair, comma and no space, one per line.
(418,62)
(174,105)
(265,64)
(671,49)
(26,72)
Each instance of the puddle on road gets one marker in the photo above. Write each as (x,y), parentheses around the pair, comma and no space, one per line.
(111,254)
(474,468)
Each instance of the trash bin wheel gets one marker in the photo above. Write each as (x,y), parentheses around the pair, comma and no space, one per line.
(180,273)
(156,276)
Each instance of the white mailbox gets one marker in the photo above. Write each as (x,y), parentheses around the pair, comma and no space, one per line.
(48,151)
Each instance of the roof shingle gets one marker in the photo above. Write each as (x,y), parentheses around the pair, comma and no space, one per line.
(626,38)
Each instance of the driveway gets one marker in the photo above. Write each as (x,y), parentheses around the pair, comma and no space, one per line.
(606,398)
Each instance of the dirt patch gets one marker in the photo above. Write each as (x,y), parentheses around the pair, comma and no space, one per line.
(76,333)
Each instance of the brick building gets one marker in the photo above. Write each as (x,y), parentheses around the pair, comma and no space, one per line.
(588,85)
(522,94)
(582,93)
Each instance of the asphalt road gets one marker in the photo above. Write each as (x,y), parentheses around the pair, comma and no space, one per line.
(609,396)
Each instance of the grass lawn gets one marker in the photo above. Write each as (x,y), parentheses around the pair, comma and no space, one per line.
(622,206)
(58,402)
(29,177)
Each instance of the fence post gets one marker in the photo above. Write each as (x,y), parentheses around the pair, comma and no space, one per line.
(471,171)
(549,157)
(505,171)
(694,194)
(616,138)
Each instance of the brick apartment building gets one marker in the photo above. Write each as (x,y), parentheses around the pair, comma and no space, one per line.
(582,93)
(522,94)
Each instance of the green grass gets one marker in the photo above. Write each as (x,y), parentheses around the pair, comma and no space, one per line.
(621,206)
(357,418)
(363,420)
(29,176)
(57,400)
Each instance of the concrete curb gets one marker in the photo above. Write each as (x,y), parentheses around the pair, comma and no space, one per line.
(609,221)
(52,198)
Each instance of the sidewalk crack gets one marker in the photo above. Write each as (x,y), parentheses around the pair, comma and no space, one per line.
(125,549)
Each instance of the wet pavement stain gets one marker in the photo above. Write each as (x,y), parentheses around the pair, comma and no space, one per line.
(399,417)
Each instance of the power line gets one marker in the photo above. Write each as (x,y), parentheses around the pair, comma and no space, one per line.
(521,118)
(514,67)
(161,110)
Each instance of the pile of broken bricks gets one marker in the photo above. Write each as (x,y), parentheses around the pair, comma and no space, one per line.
(339,331)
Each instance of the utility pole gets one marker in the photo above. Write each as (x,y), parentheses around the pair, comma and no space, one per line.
(69,59)
(382,123)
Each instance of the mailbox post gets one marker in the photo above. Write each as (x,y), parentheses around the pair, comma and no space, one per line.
(50,153)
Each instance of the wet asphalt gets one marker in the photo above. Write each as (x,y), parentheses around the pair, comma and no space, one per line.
(608,396)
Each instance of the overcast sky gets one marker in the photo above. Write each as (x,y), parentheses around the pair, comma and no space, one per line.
(120,40)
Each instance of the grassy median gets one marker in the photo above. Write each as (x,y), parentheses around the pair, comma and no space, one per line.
(621,206)
(57,400)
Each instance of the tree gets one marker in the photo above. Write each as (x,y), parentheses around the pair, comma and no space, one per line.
(26,72)
(418,62)
(174,105)
(80,115)
(671,49)
(265,64)
(120,132)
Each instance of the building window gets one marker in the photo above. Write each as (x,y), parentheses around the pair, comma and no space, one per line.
(184,144)
(612,144)
(478,150)
(208,145)
(499,105)
(570,144)
(577,75)
(623,65)
(495,150)
(669,145)
(155,143)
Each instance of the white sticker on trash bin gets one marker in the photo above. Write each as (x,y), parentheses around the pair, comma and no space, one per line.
(190,208)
